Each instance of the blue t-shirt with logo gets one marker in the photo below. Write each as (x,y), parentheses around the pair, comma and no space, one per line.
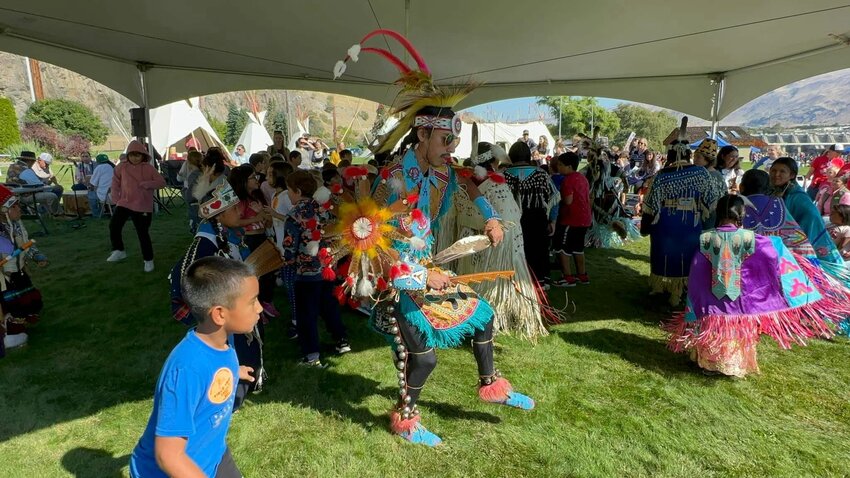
(194,399)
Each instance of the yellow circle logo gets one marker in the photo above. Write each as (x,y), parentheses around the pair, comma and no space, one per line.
(221,386)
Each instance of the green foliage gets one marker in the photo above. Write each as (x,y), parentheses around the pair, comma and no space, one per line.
(653,125)
(237,118)
(218,126)
(69,118)
(611,399)
(14,150)
(363,115)
(578,114)
(9,132)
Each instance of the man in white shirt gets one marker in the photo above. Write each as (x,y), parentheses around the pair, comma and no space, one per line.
(41,168)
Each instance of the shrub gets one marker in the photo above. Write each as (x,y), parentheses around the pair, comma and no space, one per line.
(14,150)
(73,146)
(68,117)
(45,136)
(9,132)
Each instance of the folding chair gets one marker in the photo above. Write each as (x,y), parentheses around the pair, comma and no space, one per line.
(173,187)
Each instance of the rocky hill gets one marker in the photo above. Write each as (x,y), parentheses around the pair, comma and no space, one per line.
(113,108)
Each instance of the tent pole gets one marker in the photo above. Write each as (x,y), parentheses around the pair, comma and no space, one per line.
(560,114)
(143,68)
(716,102)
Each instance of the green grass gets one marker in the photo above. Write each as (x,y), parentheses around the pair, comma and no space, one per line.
(612,401)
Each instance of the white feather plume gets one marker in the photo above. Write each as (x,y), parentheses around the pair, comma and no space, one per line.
(322,195)
(339,69)
(354,52)
(480,172)
(365,287)
(312,248)
(395,184)
(417,243)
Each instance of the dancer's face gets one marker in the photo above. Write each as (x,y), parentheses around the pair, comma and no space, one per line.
(437,146)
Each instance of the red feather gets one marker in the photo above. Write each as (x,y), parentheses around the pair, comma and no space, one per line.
(311,223)
(343,267)
(465,173)
(328,274)
(353,303)
(349,281)
(385,173)
(412,198)
(404,268)
(336,188)
(339,293)
(316,235)
(382,284)
(395,271)
(352,172)
(323,253)
(418,216)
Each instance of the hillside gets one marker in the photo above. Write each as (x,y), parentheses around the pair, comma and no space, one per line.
(113,108)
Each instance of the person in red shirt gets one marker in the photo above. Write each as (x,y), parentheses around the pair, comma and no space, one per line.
(821,165)
(574,219)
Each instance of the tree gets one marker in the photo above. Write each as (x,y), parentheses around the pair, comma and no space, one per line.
(653,125)
(237,118)
(578,114)
(69,118)
(9,132)
(218,126)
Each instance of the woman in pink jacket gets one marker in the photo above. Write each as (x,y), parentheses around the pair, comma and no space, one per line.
(133,185)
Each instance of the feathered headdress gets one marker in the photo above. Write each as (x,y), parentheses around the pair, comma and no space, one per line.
(417,91)
(678,148)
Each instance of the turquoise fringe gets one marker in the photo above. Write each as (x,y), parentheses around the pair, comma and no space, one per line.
(446,338)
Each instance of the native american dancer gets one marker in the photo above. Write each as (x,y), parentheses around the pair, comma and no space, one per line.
(20,301)
(611,223)
(517,303)
(768,215)
(420,306)
(680,197)
(742,285)
(219,234)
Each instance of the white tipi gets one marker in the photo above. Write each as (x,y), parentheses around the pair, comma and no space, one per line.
(254,137)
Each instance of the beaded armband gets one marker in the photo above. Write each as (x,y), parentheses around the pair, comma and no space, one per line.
(487,209)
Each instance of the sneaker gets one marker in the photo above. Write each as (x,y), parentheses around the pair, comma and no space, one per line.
(568,281)
(148,266)
(292,333)
(583,279)
(312,363)
(343,347)
(15,340)
(117,256)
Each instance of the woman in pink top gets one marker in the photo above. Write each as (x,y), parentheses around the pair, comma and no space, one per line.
(133,185)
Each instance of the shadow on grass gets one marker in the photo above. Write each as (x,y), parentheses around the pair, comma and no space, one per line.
(651,355)
(85,462)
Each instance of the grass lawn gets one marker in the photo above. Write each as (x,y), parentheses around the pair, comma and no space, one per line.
(612,401)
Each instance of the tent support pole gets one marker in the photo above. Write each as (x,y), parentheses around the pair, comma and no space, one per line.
(716,102)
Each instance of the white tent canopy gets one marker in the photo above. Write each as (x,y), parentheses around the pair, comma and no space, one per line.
(255,137)
(175,123)
(503,134)
(675,55)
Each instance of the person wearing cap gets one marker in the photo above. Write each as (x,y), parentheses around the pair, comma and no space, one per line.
(20,302)
(41,168)
(99,184)
(29,178)
(526,138)
(133,186)
(818,172)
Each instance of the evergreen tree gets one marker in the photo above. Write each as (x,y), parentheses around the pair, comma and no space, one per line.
(237,118)
(9,132)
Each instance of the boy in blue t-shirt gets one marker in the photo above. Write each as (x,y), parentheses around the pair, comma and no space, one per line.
(193,402)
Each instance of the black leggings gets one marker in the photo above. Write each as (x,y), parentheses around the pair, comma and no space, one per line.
(227,467)
(142,223)
(535,237)
(421,360)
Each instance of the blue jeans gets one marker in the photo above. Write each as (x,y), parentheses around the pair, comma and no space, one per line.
(94,204)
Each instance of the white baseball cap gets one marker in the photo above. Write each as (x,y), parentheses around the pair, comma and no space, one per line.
(46,157)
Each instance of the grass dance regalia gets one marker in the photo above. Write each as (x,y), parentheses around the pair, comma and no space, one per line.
(742,285)
(519,305)
(680,196)
(219,235)
(611,223)
(419,305)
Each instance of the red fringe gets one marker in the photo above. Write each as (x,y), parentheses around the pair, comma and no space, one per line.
(328,274)
(496,391)
(398,425)
(339,293)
